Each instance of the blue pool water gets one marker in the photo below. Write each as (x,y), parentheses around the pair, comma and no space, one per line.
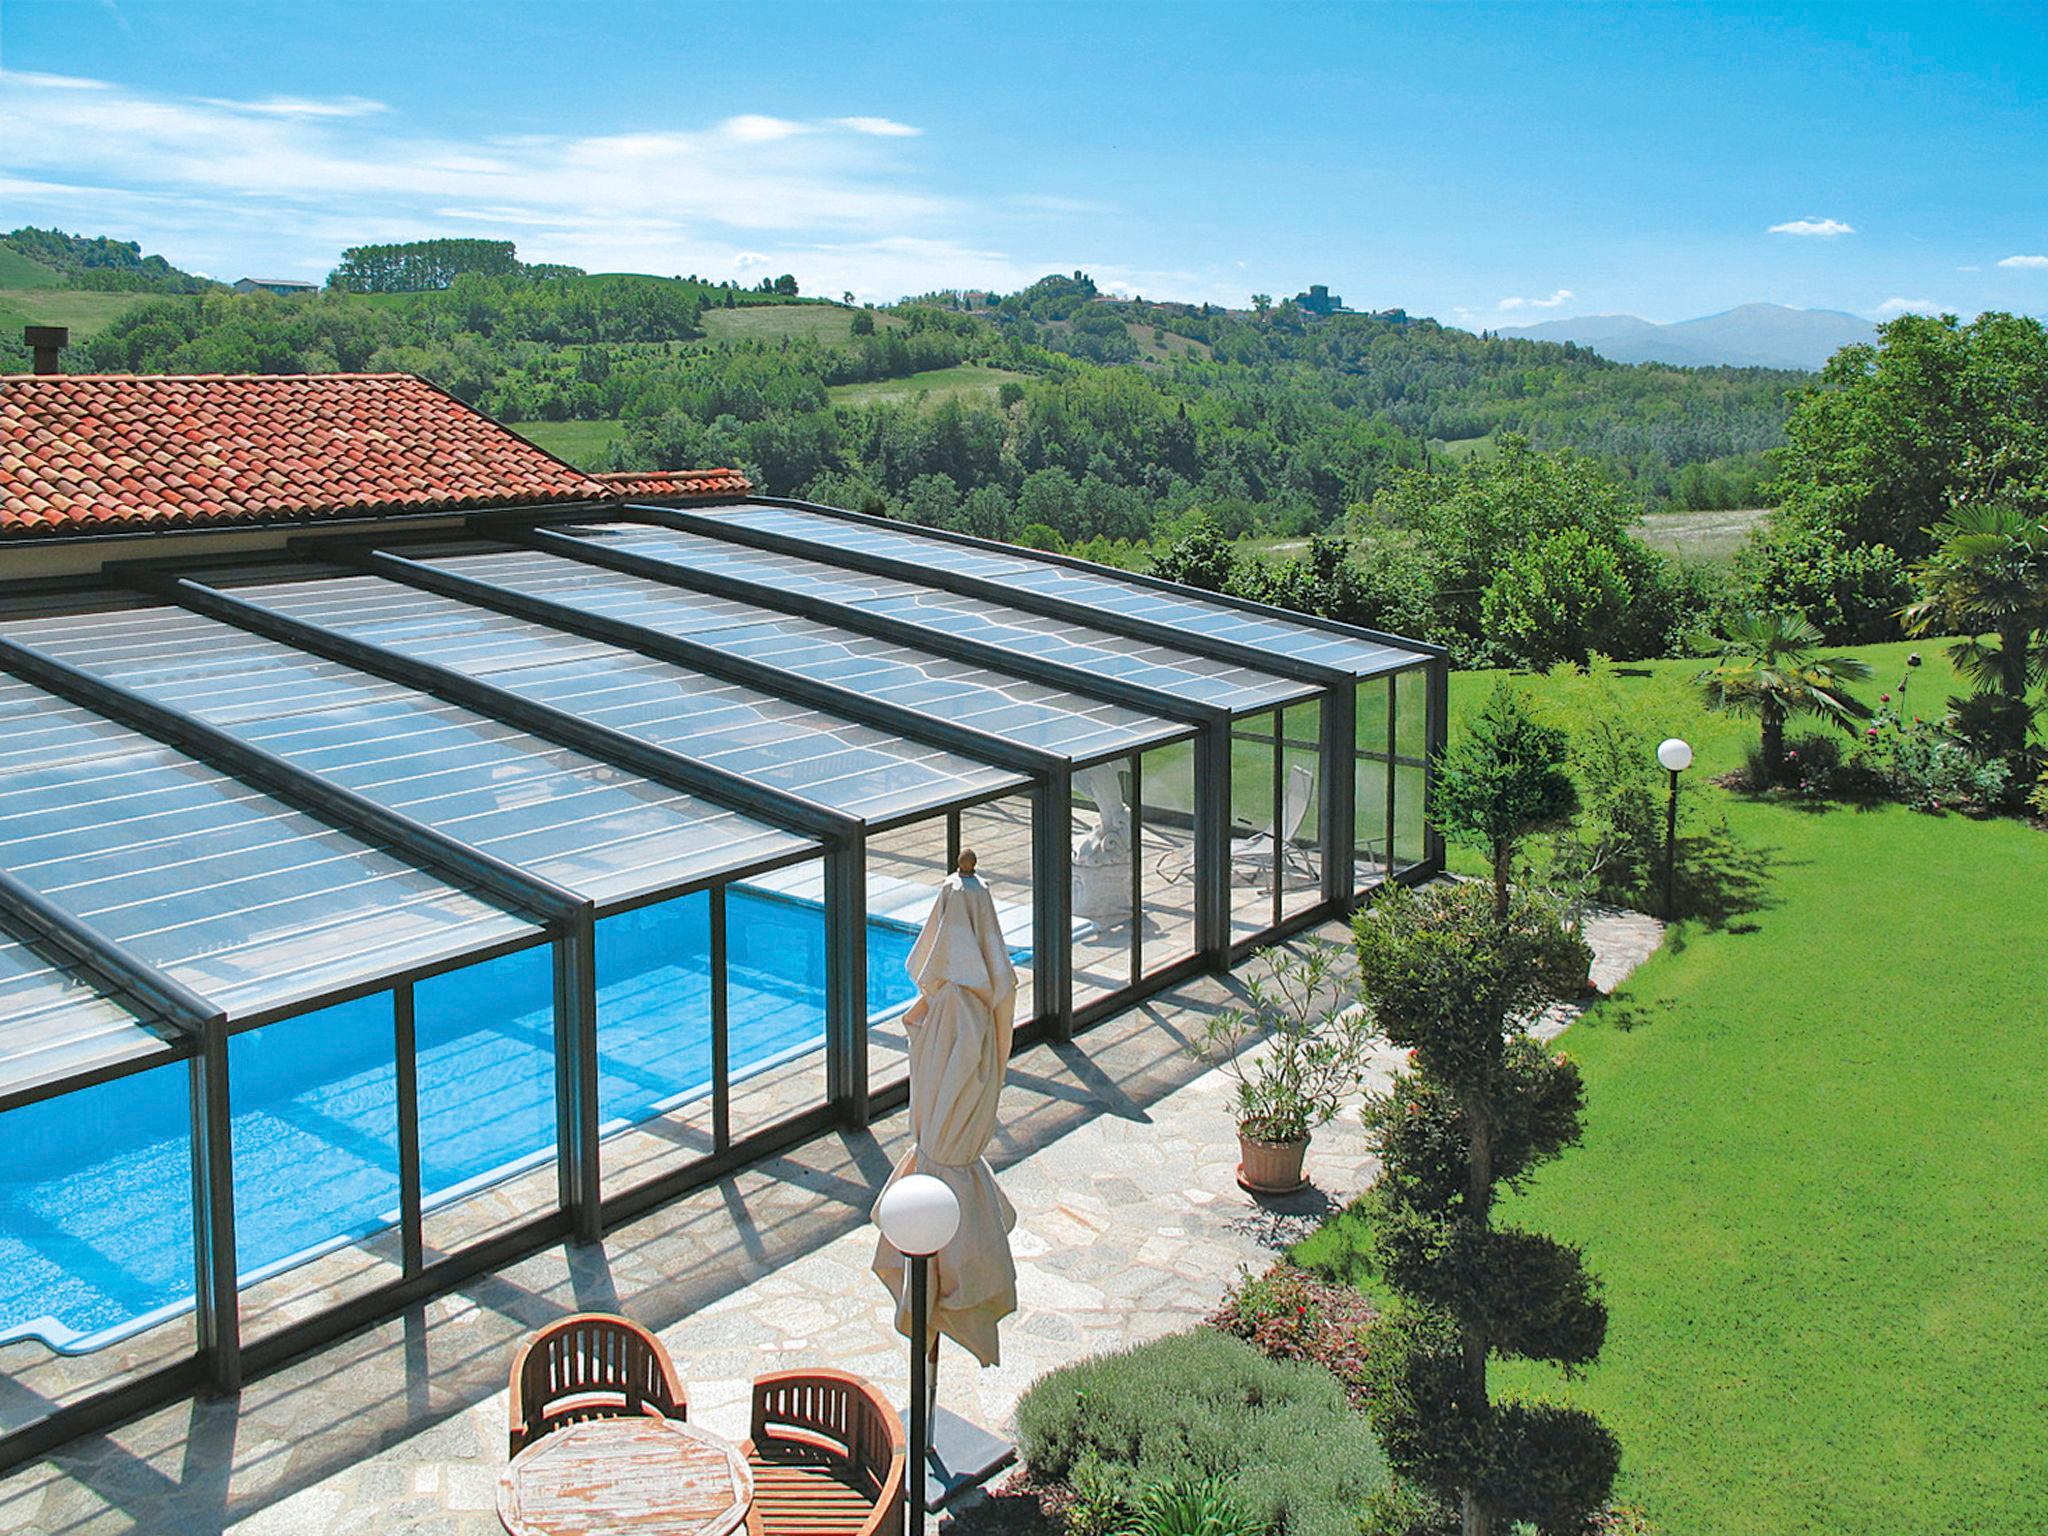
(96,1211)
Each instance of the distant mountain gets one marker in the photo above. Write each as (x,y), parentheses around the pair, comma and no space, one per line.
(1752,336)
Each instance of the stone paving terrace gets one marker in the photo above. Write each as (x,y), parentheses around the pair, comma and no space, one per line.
(1117,1150)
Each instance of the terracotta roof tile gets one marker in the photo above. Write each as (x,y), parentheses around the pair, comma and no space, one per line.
(668,483)
(101,453)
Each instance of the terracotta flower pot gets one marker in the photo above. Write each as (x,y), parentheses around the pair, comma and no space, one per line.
(1270,1167)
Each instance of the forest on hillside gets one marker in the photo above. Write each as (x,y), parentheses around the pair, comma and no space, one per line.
(1272,422)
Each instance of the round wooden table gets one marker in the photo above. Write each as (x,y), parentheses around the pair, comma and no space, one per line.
(642,1474)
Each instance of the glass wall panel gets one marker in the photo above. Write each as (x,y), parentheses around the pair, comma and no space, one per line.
(95,1241)
(485,1042)
(905,866)
(1408,824)
(654,1047)
(1254,753)
(1371,835)
(315,1106)
(1411,714)
(775,986)
(999,832)
(1300,843)
(1103,821)
(1166,854)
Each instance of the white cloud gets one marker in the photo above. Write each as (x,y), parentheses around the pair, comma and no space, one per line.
(878,127)
(1814,229)
(753,128)
(301,106)
(1892,308)
(1552,302)
(283,183)
(2030,262)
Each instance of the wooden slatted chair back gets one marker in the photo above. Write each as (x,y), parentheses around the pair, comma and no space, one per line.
(591,1366)
(844,1421)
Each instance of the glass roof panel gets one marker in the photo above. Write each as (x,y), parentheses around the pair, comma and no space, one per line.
(1053,718)
(55,1025)
(1177,673)
(1098,589)
(821,757)
(598,830)
(248,902)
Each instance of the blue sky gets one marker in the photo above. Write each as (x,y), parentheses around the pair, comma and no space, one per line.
(1492,165)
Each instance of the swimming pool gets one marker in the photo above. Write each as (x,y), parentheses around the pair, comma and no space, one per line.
(96,1213)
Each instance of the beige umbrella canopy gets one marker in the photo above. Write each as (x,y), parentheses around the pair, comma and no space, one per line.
(959,1030)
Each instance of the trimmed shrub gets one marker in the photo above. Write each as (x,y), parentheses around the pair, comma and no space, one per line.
(1201,1405)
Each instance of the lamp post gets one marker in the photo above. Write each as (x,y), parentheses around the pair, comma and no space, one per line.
(1675,756)
(918,1214)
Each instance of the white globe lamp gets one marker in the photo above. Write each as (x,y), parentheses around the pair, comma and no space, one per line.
(918,1214)
(1675,756)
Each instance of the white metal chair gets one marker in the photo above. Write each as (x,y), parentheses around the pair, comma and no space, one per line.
(1264,856)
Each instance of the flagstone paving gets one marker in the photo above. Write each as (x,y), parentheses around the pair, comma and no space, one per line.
(1116,1149)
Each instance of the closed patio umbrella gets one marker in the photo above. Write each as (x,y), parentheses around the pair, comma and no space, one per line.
(959,1029)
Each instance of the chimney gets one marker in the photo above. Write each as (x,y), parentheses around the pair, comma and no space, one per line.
(46,341)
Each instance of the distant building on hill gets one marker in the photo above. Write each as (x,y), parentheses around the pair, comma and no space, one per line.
(285,285)
(1319,300)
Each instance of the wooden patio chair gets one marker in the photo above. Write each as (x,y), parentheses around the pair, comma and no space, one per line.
(827,1454)
(591,1366)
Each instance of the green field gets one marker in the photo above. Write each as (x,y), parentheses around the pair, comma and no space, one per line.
(1156,345)
(83,310)
(830,324)
(582,443)
(1701,535)
(1457,448)
(17,271)
(1814,1181)
(968,382)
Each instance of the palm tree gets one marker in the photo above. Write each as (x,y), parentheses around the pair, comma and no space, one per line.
(1988,575)
(1767,668)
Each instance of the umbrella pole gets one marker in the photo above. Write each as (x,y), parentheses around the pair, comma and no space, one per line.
(920,1403)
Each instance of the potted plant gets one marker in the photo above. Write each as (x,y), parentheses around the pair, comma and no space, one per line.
(1295,1048)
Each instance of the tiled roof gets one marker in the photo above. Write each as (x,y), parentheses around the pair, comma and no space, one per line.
(88,453)
(663,483)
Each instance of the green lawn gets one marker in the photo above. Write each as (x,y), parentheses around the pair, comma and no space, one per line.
(934,384)
(582,443)
(1814,1178)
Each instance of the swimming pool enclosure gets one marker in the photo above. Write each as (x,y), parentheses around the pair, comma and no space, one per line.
(378,909)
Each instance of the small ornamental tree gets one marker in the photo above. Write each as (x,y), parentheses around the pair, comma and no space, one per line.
(1479,1106)
(1504,779)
